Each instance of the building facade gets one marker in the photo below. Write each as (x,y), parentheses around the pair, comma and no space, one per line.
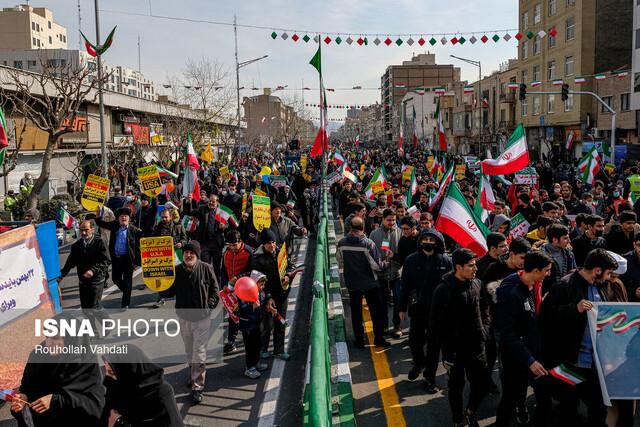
(26,27)
(635,58)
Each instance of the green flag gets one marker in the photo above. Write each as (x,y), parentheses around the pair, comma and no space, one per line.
(316,61)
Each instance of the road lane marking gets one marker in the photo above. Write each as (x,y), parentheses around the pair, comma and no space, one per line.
(386,383)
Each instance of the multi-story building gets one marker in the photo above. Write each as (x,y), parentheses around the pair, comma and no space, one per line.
(26,27)
(424,105)
(563,40)
(635,59)
(371,123)
(615,92)
(421,72)
(271,122)
(129,82)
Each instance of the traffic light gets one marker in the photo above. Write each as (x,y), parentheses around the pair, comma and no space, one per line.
(565,92)
(523,92)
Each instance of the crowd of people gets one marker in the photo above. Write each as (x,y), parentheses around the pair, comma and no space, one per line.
(524,303)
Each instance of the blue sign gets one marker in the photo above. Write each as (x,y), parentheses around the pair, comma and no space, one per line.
(290,161)
(541,120)
(550,133)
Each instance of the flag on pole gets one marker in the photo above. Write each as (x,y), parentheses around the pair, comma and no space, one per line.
(357,140)
(441,135)
(590,172)
(457,220)
(4,138)
(94,50)
(65,218)
(321,143)
(207,154)
(337,158)
(190,185)
(190,223)
(514,158)
(468,89)
(485,200)
(436,166)
(7,394)
(446,179)
(571,140)
(166,172)
(349,175)
(225,215)
(378,176)
(415,134)
(413,188)
(400,140)
(563,373)
(584,162)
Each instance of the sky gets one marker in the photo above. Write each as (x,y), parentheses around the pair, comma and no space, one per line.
(167,45)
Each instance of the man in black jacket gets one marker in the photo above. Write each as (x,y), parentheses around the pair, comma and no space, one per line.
(265,260)
(517,327)
(124,243)
(591,239)
(196,292)
(210,234)
(631,278)
(166,227)
(145,217)
(620,238)
(421,273)
(233,200)
(566,338)
(460,320)
(90,258)
(497,247)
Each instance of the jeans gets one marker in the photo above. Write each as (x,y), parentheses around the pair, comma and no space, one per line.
(375,308)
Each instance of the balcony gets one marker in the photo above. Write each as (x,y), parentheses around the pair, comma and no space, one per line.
(508,98)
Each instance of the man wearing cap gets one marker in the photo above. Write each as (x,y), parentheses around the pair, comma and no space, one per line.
(124,250)
(265,260)
(196,292)
(284,228)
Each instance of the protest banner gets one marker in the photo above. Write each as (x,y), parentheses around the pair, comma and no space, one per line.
(259,192)
(527,176)
(24,297)
(158,263)
(615,333)
(430,161)
(519,226)
(333,178)
(303,162)
(150,183)
(460,172)
(95,192)
(377,187)
(282,261)
(406,174)
(278,181)
(224,172)
(261,212)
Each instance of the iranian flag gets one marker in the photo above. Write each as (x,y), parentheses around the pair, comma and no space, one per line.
(485,201)
(436,166)
(357,140)
(94,50)
(337,158)
(515,157)
(441,136)
(400,141)
(224,215)
(349,175)
(166,172)
(468,89)
(385,246)
(189,223)
(190,185)
(415,134)
(4,138)
(584,162)
(321,143)
(378,176)
(600,76)
(291,204)
(457,220)
(65,218)
(446,179)
(565,374)
(590,172)
(571,140)
(413,188)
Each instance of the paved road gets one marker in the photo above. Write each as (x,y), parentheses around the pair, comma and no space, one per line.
(231,399)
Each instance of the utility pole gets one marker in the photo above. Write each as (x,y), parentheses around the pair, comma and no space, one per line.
(103,147)
(235,35)
(79,27)
(139,56)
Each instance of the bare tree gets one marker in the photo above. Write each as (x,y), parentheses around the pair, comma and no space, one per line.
(50,100)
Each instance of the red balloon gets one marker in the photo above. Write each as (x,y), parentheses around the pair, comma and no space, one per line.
(169,186)
(246,289)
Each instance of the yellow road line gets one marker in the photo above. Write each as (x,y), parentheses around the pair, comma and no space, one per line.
(386,384)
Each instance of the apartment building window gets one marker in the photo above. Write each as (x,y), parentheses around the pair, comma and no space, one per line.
(537,13)
(607,100)
(551,104)
(571,2)
(536,105)
(568,104)
(624,102)
(536,45)
(636,83)
(31,64)
(524,108)
(571,28)
(50,40)
(524,76)
(63,63)
(34,41)
(525,50)
(551,70)
(552,41)
(638,38)
(525,20)
(17,64)
(568,66)
(38,27)
(33,26)
(552,7)
(536,73)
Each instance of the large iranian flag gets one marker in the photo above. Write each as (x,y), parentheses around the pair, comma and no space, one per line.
(514,158)
(457,220)
(446,179)
(4,138)
(190,185)
(590,172)
(592,154)
(225,215)
(442,138)
(321,143)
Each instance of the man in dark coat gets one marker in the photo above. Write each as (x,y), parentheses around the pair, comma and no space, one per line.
(620,238)
(566,338)
(460,320)
(233,200)
(124,242)
(167,227)
(631,278)
(591,239)
(145,217)
(421,273)
(210,234)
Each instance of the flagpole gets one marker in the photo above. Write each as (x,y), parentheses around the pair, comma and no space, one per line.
(322,113)
(103,146)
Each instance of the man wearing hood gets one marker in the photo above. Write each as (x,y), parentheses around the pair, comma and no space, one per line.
(421,273)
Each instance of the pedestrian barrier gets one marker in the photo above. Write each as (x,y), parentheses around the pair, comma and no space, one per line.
(328,397)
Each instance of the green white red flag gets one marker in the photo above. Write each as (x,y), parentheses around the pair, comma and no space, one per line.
(166,172)
(590,172)
(413,188)
(458,221)
(442,189)
(378,176)
(65,218)
(191,185)
(584,162)
(189,223)
(442,138)
(94,50)
(565,374)
(225,215)
(514,158)
(321,143)
(485,201)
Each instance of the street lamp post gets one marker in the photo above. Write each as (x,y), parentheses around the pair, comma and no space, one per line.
(103,145)
(238,66)
(479,65)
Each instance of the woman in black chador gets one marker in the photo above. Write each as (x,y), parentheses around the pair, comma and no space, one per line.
(137,394)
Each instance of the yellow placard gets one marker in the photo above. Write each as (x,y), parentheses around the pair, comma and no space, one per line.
(259,192)
(95,192)
(430,160)
(377,187)
(261,212)
(306,177)
(157,255)
(303,162)
(244,203)
(150,183)
(361,170)
(406,175)
(282,261)
(224,172)
(460,171)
